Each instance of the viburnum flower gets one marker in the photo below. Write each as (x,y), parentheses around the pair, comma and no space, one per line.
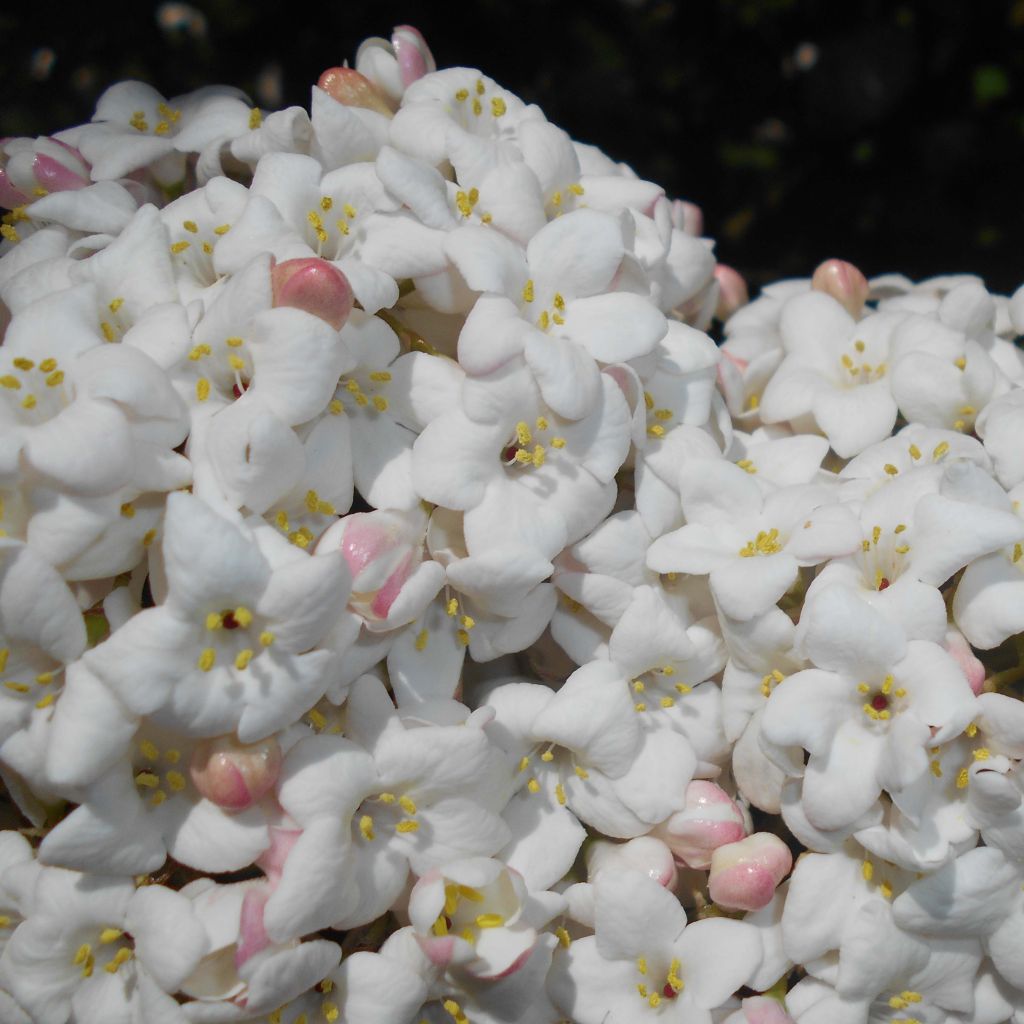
(393,797)
(552,305)
(752,545)
(233,647)
(645,963)
(92,948)
(879,700)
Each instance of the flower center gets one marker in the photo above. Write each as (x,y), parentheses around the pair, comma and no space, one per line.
(671,988)
(387,806)
(765,543)
(158,773)
(646,689)
(529,448)
(879,702)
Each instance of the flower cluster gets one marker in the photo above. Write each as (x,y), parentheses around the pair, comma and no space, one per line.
(408,612)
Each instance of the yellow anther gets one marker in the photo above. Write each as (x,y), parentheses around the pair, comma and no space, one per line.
(559,302)
(5,921)
(380,375)
(981,754)
(17,687)
(544,320)
(638,685)
(863,688)
(542,423)
(138,121)
(243,658)
(266,638)
(109,935)
(198,351)
(148,780)
(886,890)
(940,450)
(468,621)
(896,1003)
(149,750)
(560,793)
(967,410)
(656,430)
(85,960)
(867,869)
(452,607)
(22,363)
(747,466)
(243,616)
(533,786)
(462,636)
(489,920)
(846,361)
(498,106)
(407,825)
(556,199)
(222,229)
(936,768)
(648,400)
(524,763)
(176,781)
(765,543)
(859,346)
(202,389)
(576,189)
(207,659)
(366,827)
(10,382)
(900,692)
(157,798)
(581,773)
(314,218)
(28,402)
(523,435)
(564,938)
(558,442)
(876,534)
(335,407)
(962,778)
(380,403)
(128,510)
(181,246)
(682,688)
(971,730)
(173,756)
(10,233)
(642,989)
(865,545)
(1017,552)
(890,469)
(641,965)
(330,1012)
(887,684)
(667,702)
(165,111)
(326,202)
(420,642)
(318,719)
(912,997)
(538,456)
(901,549)
(478,107)
(547,756)
(407,804)
(654,1000)
(640,707)
(349,210)
(5,653)
(667,414)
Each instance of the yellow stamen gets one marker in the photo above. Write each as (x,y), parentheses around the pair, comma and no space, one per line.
(207,659)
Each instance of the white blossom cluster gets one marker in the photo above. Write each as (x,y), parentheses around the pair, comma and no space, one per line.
(408,613)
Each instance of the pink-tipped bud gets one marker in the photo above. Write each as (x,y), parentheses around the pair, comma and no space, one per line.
(710,819)
(732,291)
(645,853)
(235,775)
(957,645)
(348,86)
(844,282)
(412,53)
(32,168)
(383,550)
(313,285)
(744,875)
(688,218)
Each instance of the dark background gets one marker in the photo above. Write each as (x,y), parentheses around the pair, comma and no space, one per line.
(890,134)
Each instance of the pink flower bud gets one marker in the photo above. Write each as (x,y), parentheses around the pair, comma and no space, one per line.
(412,53)
(645,853)
(744,875)
(313,285)
(960,649)
(348,86)
(31,168)
(235,775)
(710,819)
(844,282)
(383,550)
(732,291)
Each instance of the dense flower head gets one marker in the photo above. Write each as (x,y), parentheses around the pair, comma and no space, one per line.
(409,611)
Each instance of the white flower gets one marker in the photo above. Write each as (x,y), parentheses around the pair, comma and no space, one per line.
(645,963)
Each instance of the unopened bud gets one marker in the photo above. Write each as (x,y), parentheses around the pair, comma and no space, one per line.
(710,819)
(235,775)
(31,168)
(313,285)
(645,853)
(732,291)
(348,86)
(412,53)
(744,875)
(383,550)
(844,282)
(957,645)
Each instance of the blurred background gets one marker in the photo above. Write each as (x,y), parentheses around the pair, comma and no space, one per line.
(886,133)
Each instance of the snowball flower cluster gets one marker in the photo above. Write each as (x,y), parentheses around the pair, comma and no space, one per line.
(410,612)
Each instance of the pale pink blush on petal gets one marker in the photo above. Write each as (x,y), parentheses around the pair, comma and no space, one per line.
(54,176)
(252,937)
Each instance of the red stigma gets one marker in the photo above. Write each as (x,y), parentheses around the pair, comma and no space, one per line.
(229,620)
(668,992)
(879,702)
(883,583)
